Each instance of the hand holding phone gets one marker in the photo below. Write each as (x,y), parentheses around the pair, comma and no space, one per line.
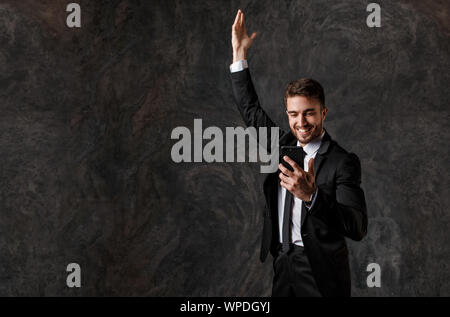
(300,183)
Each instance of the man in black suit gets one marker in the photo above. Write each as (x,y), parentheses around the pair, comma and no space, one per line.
(310,210)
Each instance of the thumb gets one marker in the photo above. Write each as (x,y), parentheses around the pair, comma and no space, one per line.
(311,166)
(253,36)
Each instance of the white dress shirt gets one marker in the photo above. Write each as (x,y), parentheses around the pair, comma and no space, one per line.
(311,150)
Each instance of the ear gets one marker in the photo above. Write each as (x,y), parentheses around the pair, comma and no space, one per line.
(324,112)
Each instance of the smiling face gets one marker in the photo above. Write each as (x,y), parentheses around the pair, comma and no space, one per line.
(306,117)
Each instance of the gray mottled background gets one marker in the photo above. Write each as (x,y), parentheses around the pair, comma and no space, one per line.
(86,115)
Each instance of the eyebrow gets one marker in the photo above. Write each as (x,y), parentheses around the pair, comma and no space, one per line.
(309,109)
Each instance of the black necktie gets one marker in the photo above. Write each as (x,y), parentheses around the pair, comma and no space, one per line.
(287,214)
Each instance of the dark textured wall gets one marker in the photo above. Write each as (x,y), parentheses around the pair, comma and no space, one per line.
(86,116)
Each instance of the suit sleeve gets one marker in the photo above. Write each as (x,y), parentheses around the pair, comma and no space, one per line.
(248,104)
(344,210)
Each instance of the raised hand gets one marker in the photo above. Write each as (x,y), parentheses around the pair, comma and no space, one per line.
(300,183)
(240,40)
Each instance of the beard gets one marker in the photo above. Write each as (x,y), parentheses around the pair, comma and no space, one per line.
(312,132)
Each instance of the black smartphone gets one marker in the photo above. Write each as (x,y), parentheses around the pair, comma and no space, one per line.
(295,153)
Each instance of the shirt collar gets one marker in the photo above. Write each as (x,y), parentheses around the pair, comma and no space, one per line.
(312,146)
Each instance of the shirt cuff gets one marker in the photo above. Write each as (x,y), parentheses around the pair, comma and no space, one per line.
(238,66)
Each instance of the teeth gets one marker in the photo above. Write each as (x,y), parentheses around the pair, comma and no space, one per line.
(303,131)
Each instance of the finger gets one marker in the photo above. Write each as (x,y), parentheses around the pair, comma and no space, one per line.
(292,163)
(284,170)
(285,179)
(311,166)
(237,18)
(242,19)
(253,36)
(237,26)
(285,185)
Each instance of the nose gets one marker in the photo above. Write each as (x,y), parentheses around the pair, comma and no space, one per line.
(302,120)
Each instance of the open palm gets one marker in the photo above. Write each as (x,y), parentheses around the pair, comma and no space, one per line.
(240,40)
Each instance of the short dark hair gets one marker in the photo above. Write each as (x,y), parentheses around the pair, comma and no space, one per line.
(306,87)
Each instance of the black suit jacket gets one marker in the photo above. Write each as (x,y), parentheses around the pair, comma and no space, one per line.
(339,210)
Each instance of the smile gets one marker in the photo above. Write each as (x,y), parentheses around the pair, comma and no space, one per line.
(304,130)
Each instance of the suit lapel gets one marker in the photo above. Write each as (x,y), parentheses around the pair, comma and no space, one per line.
(318,163)
(321,153)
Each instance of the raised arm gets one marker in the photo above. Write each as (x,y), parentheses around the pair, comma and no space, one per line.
(243,89)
